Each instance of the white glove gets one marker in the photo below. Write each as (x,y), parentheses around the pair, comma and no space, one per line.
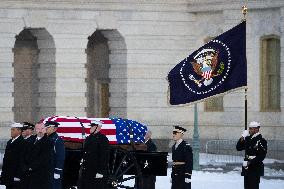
(245,133)
(98,175)
(187,180)
(16,179)
(56,176)
(245,164)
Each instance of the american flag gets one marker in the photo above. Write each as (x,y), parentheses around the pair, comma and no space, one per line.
(117,130)
(207,74)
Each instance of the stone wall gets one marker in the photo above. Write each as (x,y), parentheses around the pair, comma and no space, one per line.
(146,39)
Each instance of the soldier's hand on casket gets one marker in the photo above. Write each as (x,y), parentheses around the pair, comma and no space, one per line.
(17,179)
(56,176)
(245,133)
(98,175)
(187,180)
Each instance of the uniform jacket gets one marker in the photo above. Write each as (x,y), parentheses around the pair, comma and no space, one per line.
(31,139)
(39,167)
(151,147)
(95,155)
(255,152)
(30,142)
(58,151)
(183,153)
(13,161)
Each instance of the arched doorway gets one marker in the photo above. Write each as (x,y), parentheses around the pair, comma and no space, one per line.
(106,73)
(34,75)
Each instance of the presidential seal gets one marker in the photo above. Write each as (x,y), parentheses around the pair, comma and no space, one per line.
(207,68)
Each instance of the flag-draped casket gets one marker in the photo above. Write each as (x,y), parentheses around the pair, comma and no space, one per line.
(117,130)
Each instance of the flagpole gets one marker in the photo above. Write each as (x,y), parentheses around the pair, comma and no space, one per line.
(195,142)
(244,11)
(246,110)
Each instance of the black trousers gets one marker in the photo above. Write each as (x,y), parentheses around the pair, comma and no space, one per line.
(178,182)
(16,185)
(251,182)
(147,182)
(93,183)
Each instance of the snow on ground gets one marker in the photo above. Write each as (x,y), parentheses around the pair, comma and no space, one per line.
(207,180)
(216,177)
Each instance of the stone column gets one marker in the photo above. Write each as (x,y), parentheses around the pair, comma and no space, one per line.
(46,73)
(70,41)
(279,130)
(8,31)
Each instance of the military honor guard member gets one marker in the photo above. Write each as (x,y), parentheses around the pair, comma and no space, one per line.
(95,159)
(182,160)
(58,151)
(13,164)
(28,132)
(148,182)
(255,147)
(39,167)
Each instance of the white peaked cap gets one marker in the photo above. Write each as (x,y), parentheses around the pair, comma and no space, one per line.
(254,124)
(16,125)
(96,122)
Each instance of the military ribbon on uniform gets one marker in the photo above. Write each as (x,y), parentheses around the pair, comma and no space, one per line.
(216,68)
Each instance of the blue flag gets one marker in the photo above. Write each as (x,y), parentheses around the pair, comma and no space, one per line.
(217,67)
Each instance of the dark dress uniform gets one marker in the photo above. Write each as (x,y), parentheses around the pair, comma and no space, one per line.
(31,139)
(39,167)
(95,160)
(182,165)
(29,142)
(13,163)
(255,151)
(148,182)
(58,156)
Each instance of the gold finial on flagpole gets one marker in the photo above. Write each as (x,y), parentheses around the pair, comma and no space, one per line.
(244,11)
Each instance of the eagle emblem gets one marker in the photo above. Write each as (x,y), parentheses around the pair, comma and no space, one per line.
(206,67)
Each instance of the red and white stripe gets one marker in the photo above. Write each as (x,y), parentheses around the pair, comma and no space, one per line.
(70,128)
(207,74)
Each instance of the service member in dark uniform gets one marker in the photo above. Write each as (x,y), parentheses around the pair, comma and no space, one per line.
(58,151)
(39,167)
(182,160)
(255,151)
(12,169)
(28,132)
(148,182)
(95,159)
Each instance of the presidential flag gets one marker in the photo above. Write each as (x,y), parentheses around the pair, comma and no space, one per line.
(216,68)
(117,130)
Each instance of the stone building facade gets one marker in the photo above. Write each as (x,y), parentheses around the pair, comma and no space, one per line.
(111,58)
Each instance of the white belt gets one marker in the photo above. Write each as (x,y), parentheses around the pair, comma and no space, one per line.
(251,157)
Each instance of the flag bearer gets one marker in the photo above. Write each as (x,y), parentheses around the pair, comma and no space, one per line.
(255,147)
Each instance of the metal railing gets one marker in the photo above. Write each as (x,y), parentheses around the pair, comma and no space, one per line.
(2,150)
(225,151)
(222,151)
